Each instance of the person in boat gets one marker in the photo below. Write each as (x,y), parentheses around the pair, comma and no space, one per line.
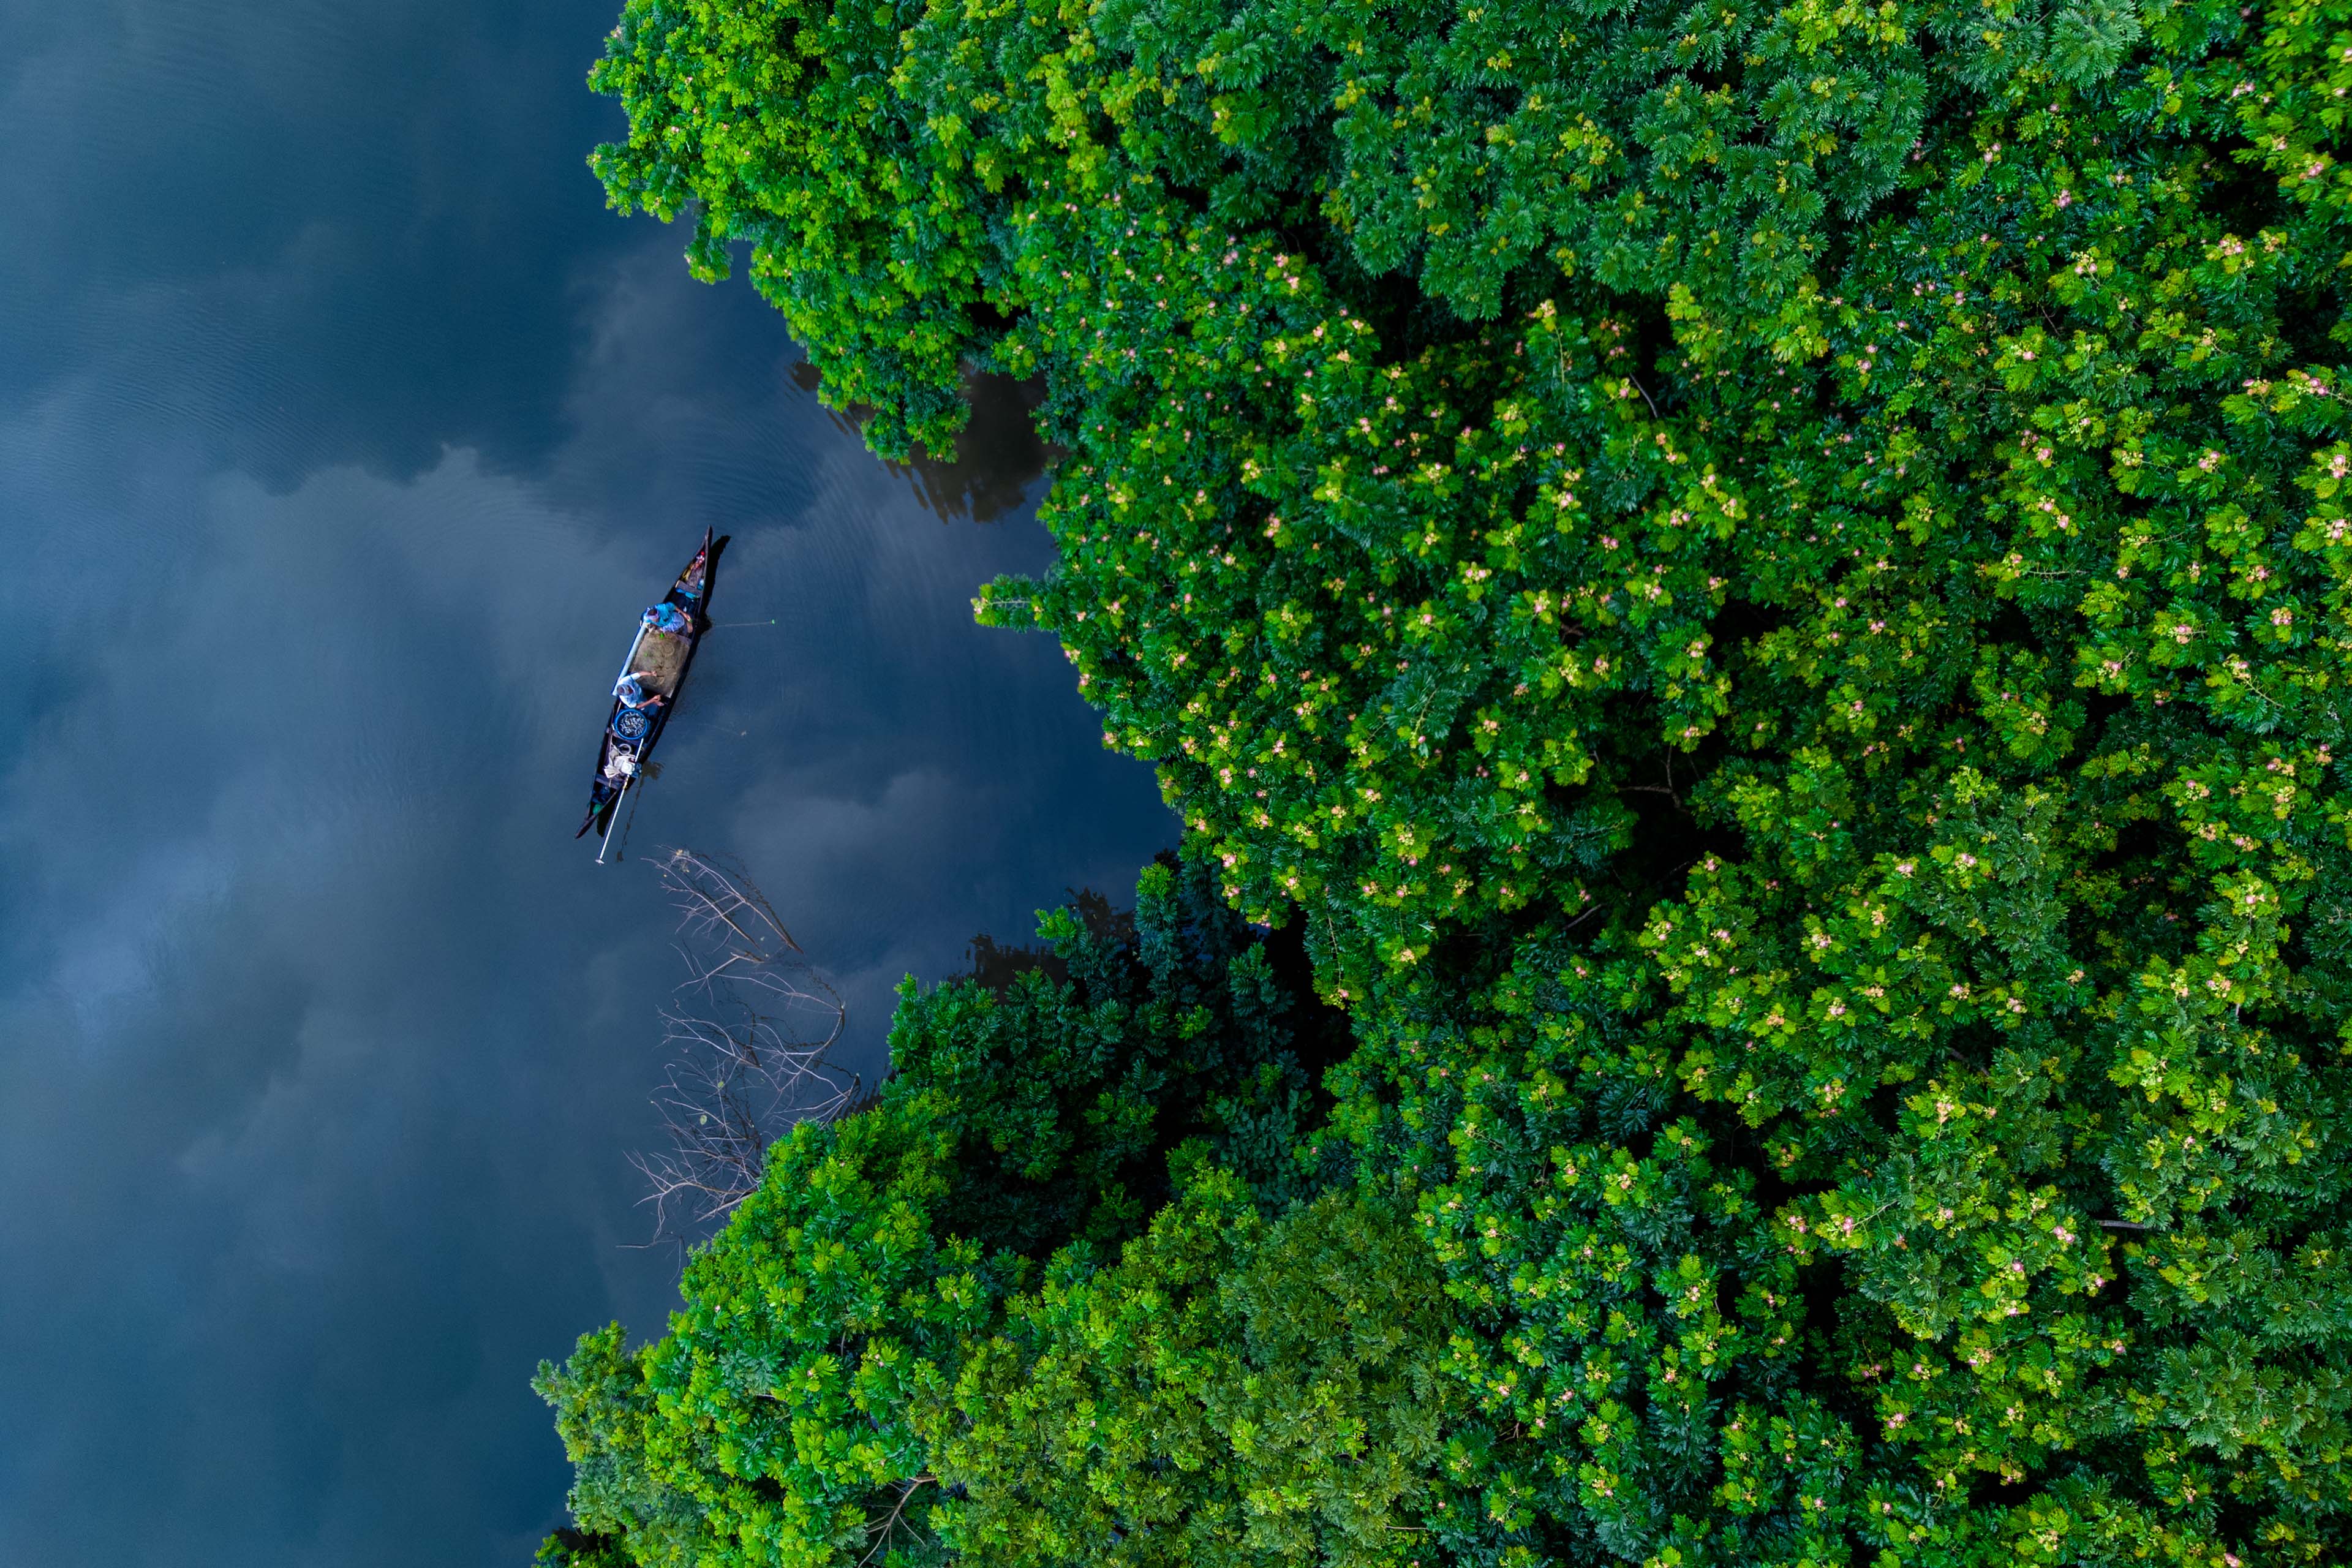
(668,620)
(631,690)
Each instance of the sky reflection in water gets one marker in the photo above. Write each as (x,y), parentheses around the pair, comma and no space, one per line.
(342,433)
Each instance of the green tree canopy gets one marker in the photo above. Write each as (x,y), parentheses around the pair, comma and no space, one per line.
(800,1407)
(1769,588)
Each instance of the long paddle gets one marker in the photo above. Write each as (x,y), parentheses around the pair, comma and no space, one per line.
(615,818)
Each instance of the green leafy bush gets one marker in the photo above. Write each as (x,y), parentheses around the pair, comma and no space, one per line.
(1234,1389)
(788,1415)
(773,122)
(1770,586)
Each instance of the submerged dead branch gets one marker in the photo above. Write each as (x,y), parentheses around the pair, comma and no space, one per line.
(716,901)
(747,1043)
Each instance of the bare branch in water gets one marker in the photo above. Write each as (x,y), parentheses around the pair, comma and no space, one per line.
(712,894)
(747,1045)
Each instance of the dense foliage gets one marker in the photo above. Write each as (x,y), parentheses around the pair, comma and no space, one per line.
(1771,588)
(859,1339)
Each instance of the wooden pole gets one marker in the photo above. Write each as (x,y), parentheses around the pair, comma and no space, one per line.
(615,818)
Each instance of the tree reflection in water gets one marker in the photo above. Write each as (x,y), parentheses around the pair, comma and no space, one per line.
(997,457)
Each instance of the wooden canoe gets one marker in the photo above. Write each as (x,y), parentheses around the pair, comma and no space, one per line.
(661,661)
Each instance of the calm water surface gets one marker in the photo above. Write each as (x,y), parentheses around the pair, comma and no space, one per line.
(341,435)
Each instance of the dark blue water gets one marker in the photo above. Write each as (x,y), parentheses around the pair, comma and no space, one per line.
(342,433)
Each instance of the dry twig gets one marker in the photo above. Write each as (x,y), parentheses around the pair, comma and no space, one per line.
(747,1043)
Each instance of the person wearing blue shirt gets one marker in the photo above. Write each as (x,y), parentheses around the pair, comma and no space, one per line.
(630,689)
(666,619)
